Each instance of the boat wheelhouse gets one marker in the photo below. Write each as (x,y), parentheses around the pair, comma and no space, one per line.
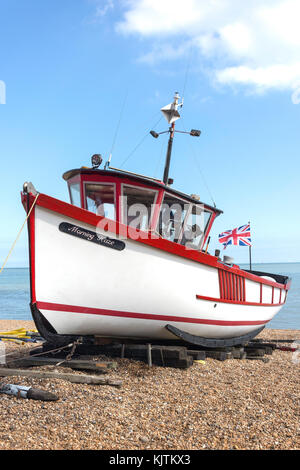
(145,205)
(128,258)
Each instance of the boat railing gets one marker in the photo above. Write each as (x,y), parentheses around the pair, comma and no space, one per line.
(280,278)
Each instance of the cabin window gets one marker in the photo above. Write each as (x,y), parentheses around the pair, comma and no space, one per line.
(75,194)
(195,227)
(100,199)
(171,218)
(137,206)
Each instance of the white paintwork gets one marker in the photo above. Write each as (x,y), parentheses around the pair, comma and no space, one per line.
(276,295)
(139,279)
(252,291)
(267,295)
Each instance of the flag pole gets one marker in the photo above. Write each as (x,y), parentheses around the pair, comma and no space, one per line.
(250,257)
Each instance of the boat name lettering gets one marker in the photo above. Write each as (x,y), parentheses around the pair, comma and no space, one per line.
(90,236)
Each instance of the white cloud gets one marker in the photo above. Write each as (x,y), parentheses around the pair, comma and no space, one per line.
(104,7)
(273,76)
(254,43)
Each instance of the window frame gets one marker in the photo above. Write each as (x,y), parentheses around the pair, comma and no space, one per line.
(206,228)
(184,220)
(75,180)
(154,207)
(188,212)
(102,183)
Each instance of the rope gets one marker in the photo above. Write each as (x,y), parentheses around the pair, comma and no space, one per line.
(13,353)
(20,231)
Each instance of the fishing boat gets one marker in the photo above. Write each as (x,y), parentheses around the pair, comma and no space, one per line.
(128,258)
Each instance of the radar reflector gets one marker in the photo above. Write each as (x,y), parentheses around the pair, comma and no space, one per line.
(170,112)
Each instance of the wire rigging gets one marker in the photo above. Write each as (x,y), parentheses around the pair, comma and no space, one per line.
(140,143)
(198,167)
(118,126)
(187,71)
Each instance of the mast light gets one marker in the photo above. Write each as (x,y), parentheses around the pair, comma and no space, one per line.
(195,133)
(96,160)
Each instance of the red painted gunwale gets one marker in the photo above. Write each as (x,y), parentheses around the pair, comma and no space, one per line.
(82,215)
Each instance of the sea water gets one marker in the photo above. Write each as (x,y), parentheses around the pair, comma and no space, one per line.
(288,318)
(15,294)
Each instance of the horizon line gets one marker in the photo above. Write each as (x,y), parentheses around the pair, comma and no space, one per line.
(243,263)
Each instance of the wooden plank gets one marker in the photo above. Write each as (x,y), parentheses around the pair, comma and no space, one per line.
(80,379)
(179,363)
(149,355)
(262,345)
(219,355)
(196,354)
(273,341)
(238,353)
(254,352)
(102,367)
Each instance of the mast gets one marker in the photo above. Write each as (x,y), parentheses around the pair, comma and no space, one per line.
(171,114)
(169,152)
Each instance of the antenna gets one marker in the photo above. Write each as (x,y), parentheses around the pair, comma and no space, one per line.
(116,133)
(171,114)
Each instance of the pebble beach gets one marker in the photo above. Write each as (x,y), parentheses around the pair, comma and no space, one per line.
(235,404)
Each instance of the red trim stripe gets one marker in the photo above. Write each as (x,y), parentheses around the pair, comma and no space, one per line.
(144,316)
(261,294)
(31,232)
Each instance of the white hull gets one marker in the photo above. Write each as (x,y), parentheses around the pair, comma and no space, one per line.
(135,292)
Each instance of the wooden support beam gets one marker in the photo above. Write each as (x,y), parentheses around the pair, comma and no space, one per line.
(219,355)
(77,364)
(149,355)
(196,354)
(80,379)
(254,351)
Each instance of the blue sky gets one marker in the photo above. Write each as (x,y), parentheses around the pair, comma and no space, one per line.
(69,66)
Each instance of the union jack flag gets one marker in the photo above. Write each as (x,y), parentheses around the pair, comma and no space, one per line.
(238,236)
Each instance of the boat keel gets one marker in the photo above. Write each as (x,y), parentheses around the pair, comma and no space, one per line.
(47,331)
(213,342)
